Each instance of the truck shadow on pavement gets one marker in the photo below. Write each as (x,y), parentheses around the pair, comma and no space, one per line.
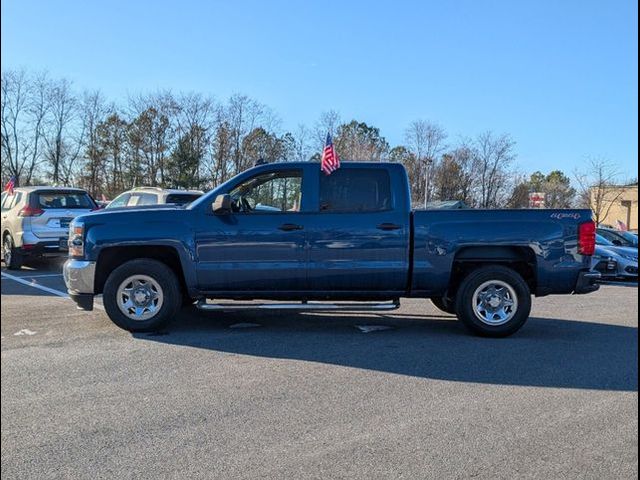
(547,352)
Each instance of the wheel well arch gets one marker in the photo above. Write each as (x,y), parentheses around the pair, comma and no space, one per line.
(111,258)
(518,258)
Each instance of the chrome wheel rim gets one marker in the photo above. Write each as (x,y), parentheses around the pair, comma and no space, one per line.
(495,302)
(6,251)
(140,297)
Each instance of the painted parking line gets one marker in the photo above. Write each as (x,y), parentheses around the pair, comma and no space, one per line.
(43,275)
(37,286)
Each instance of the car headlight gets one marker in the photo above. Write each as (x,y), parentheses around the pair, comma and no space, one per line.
(76,239)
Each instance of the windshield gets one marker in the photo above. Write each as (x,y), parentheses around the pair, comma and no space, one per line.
(600,240)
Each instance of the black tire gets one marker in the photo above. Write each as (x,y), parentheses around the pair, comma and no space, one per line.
(465,302)
(11,256)
(444,304)
(159,273)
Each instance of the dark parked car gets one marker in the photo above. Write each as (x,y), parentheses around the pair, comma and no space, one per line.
(289,233)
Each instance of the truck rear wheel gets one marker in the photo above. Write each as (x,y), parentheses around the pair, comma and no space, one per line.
(142,295)
(493,301)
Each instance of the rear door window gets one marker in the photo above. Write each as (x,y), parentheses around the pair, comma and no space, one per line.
(64,200)
(355,190)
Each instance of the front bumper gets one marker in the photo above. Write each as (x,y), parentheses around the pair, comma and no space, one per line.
(79,277)
(587,282)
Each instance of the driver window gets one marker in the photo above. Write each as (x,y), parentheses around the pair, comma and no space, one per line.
(269,193)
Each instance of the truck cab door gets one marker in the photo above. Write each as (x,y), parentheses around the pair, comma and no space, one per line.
(359,236)
(259,246)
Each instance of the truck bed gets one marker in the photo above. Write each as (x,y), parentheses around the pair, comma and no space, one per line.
(548,237)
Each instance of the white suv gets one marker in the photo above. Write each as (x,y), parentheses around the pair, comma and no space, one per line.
(35,221)
(154,196)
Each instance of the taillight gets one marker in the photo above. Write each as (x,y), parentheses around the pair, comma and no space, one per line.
(29,211)
(587,238)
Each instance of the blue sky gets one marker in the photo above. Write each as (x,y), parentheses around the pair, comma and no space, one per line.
(560,77)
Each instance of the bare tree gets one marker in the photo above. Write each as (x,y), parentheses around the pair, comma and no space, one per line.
(493,158)
(453,176)
(93,111)
(23,113)
(599,187)
(151,133)
(426,141)
(299,149)
(328,123)
(62,150)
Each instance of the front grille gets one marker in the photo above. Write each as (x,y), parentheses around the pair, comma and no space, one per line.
(64,222)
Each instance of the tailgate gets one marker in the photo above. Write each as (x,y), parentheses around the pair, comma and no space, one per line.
(54,223)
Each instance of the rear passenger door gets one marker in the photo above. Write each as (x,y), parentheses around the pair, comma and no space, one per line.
(359,238)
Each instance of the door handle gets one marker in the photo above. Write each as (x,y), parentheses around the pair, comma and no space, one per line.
(289,227)
(388,226)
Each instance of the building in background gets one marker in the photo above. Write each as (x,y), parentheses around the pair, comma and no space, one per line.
(616,205)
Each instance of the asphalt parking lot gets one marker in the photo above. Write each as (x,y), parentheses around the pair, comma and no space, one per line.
(282,395)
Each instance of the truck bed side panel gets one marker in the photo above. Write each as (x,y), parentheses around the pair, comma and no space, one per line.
(551,235)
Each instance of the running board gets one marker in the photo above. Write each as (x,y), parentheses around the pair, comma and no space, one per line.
(302,306)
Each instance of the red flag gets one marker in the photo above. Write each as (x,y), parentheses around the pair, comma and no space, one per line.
(10,185)
(330,161)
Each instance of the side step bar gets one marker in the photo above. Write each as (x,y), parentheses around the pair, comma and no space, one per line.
(301,306)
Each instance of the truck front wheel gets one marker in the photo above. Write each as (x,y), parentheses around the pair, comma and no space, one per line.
(142,295)
(493,301)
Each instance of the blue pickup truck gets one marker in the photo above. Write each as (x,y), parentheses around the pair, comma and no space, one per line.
(297,238)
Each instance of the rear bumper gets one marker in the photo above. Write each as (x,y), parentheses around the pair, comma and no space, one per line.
(587,282)
(79,277)
(43,249)
(30,245)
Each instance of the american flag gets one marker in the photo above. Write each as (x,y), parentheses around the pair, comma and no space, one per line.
(622,226)
(10,185)
(330,161)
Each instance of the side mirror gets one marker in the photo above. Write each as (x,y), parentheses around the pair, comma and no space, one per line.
(222,205)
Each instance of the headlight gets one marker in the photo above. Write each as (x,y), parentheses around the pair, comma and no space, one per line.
(76,240)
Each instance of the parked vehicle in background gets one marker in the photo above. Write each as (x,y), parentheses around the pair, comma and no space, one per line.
(289,233)
(614,261)
(154,196)
(618,237)
(35,221)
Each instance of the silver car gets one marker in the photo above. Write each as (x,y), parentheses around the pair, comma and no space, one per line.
(35,221)
(142,196)
(613,261)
